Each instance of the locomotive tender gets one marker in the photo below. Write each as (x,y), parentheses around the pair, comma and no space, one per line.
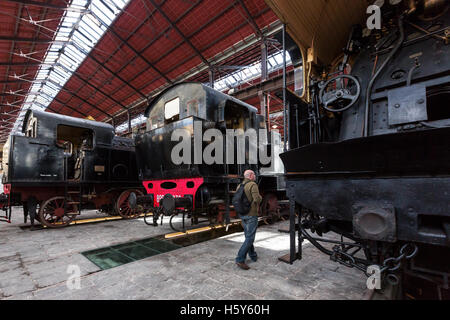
(369,154)
(64,164)
(194,187)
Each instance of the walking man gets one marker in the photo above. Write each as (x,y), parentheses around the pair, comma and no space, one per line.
(249,220)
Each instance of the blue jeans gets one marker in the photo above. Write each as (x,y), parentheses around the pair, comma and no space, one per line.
(250,225)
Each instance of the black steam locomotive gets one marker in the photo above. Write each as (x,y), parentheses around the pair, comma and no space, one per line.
(195,186)
(63,164)
(369,141)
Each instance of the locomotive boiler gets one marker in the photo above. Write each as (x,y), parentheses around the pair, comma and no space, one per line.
(196,187)
(369,138)
(59,165)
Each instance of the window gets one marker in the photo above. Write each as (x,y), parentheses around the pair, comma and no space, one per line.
(70,138)
(172,109)
(162,113)
(31,130)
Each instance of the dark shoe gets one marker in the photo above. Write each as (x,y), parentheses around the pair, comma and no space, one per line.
(254,259)
(242,265)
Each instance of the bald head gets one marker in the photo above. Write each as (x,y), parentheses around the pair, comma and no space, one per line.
(249,174)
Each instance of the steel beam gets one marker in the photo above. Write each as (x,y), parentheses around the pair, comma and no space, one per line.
(190,57)
(45,5)
(273,84)
(284,89)
(129,121)
(112,72)
(35,40)
(95,88)
(135,30)
(76,95)
(20,64)
(220,59)
(211,77)
(16,28)
(251,21)
(264,71)
(171,49)
(185,39)
(69,107)
(134,50)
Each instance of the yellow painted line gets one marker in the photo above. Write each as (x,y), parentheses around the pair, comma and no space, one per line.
(198,230)
(100,219)
(82,221)
(174,235)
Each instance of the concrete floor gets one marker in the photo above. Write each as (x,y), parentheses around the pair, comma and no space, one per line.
(34,265)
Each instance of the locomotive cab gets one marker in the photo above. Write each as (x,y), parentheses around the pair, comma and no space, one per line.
(75,142)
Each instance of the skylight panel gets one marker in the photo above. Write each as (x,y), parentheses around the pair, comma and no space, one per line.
(80,30)
(107,11)
(253,71)
(230,81)
(134,122)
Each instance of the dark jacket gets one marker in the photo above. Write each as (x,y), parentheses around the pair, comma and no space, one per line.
(252,192)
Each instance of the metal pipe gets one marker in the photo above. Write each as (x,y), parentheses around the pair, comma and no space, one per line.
(292,251)
(284,88)
(375,76)
(297,126)
(410,74)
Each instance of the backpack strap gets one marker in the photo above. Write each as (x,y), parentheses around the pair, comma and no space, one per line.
(242,185)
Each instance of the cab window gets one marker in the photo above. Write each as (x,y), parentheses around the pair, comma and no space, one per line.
(31,129)
(70,138)
(172,110)
(162,113)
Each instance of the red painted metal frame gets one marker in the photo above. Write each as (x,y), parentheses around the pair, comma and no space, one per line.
(17,36)
(210,27)
(6,188)
(155,188)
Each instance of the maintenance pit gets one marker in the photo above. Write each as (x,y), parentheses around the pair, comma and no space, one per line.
(41,264)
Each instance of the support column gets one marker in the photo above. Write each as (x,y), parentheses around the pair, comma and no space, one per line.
(284,90)
(211,78)
(129,122)
(264,69)
(263,103)
(264,76)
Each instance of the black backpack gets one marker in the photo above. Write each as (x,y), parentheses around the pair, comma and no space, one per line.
(240,201)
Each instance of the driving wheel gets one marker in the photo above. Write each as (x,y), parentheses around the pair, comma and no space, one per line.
(123,207)
(53,214)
